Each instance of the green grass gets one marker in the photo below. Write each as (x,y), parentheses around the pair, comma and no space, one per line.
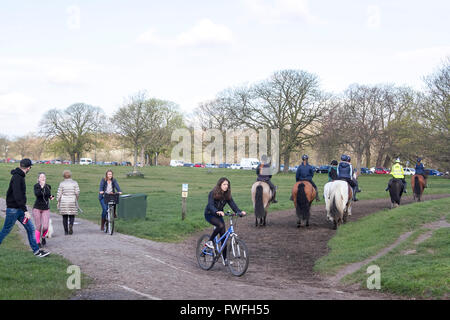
(424,274)
(163,187)
(25,277)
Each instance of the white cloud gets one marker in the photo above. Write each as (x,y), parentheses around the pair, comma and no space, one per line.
(205,33)
(281,11)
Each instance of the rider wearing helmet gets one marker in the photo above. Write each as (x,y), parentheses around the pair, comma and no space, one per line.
(345,172)
(264,174)
(398,173)
(305,172)
(421,170)
(332,171)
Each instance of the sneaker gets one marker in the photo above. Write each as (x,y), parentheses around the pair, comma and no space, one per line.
(209,244)
(41,253)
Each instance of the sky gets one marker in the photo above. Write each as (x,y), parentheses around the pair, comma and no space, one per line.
(56,53)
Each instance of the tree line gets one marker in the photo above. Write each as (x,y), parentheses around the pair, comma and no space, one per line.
(373,123)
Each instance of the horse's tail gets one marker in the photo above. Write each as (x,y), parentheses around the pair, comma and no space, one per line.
(259,205)
(303,204)
(394,191)
(416,185)
(333,208)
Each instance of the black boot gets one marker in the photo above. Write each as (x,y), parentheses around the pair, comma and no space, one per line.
(317,195)
(274,200)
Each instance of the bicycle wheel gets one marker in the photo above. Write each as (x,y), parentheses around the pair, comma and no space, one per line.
(205,256)
(110,221)
(237,255)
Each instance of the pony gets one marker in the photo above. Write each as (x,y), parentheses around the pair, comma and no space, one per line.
(338,201)
(261,195)
(395,191)
(417,185)
(303,194)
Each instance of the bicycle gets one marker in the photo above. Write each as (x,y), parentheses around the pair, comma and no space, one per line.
(111,201)
(237,252)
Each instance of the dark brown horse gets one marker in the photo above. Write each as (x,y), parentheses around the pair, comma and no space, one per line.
(303,193)
(417,185)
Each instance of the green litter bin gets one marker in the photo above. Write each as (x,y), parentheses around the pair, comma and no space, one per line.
(132,206)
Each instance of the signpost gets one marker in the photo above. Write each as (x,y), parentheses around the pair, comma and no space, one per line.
(184,194)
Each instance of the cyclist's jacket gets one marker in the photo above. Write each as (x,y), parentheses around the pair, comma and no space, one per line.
(217,205)
(304,172)
(397,171)
(104,185)
(420,169)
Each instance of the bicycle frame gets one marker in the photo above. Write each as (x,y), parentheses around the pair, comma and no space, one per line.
(226,236)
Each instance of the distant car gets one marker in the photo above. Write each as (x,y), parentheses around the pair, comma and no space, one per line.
(125,163)
(323,169)
(67,162)
(57,161)
(381,171)
(235,166)
(409,171)
(85,161)
(432,172)
(211,165)
(188,164)
(293,169)
(199,165)
(176,163)
(366,171)
(224,165)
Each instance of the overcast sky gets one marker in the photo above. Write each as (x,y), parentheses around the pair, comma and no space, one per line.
(56,53)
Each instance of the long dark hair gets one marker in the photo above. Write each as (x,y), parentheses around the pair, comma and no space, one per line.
(106,175)
(218,194)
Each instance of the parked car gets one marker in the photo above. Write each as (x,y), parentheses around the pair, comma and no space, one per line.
(187,164)
(235,166)
(323,169)
(366,171)
(409,171)
(293,169)
(432,172)
(381,171)
(249,163)
(224,165)
(211,165)
(199,165)
(85,161)
(67,162)
(126,163)
(176,163)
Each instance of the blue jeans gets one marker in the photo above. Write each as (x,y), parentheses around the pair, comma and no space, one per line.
(104,207)
(13,215)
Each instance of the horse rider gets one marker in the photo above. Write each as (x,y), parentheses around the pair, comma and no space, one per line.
(332,171)
(421,170)
(398,173)
(345,172)
(264,174)
(305,172)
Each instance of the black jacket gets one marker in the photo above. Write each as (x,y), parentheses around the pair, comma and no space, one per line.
(42,196)
(16,195)
(217,205)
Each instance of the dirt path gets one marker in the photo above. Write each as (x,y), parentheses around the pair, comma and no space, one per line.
(282,258)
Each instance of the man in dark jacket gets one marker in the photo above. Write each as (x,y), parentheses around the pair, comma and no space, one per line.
(264,174)
(16,208)
(305,172)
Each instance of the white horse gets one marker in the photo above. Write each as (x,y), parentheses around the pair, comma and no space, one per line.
(338,201)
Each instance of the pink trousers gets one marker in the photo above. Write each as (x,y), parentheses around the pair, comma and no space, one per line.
(41,220)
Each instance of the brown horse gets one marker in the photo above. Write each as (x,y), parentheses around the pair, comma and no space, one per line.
(303,193)
(417,185)
(261,195)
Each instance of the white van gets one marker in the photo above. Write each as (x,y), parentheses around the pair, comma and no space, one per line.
(249,163)
(176,163)
(409,171)
(85,161)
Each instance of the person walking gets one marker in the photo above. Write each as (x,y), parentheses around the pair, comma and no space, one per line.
(41,208)
(16,207)
(67,197)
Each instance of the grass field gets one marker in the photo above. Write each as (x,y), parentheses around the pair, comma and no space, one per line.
(425,273)
(25,277)
(163,187)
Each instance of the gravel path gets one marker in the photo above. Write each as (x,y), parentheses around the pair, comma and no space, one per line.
(126,267)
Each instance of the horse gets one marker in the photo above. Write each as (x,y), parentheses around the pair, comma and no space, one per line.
(303,194)
(338,201)
(396,190)
(261,195)
(417,185)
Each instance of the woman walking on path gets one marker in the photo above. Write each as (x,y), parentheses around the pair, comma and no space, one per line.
(108,185)
(41,208)
(68,193)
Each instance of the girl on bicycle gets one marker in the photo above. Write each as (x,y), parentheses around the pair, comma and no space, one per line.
(217,199)
(108,185)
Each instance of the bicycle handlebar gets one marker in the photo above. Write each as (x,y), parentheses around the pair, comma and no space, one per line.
(232,214)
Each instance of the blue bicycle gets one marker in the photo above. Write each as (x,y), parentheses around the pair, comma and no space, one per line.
(237,252)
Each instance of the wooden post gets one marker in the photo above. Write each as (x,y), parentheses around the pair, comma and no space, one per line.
(184,194)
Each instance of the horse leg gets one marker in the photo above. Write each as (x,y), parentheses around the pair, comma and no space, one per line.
(334,225)
(256,222)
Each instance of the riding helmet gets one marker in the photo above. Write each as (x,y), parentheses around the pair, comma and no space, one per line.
(305,157)
(419,159)
(344,157)
(397,160)
(334,163)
